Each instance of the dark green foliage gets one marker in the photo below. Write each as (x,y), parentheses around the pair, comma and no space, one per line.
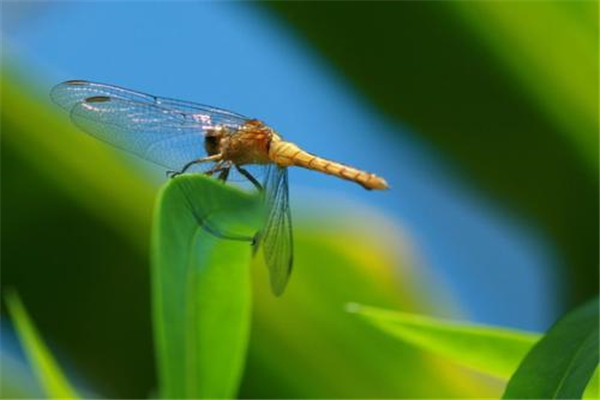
(562,363)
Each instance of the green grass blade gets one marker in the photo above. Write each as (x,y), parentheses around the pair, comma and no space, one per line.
(491,350)
(562,363)
(48,372)
(201,286)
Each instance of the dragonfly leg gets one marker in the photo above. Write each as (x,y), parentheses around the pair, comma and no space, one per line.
(216,157)
(249,176)
(222,167)
(224,174)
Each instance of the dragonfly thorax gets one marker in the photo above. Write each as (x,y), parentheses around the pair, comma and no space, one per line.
(247,145)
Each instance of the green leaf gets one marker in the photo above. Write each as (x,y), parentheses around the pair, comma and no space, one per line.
(201,286)
(562,363)
(48,372)
(492,350)
(524,33)
(82,196)
(85,169)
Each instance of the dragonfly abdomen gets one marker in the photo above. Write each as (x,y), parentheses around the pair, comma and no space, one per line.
(287,154)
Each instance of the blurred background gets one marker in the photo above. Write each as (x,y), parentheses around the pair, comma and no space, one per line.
(482,117)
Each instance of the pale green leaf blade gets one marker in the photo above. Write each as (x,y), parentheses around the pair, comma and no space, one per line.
(491,350)
(45,367)
(201,286)
(495,351)
(592,391)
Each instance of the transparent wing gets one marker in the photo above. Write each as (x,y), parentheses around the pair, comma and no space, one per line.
(276,237)
(166,137)
(70,93)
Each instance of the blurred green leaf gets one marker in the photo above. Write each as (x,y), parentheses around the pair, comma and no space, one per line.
(87,193)
(16,379)
(560,62)
(201,286)
(492,350)
(48,372)
(81,166)
(561,364)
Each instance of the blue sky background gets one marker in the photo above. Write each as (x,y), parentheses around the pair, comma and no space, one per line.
(237,56)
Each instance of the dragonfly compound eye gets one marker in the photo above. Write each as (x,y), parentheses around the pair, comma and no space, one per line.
(211,145)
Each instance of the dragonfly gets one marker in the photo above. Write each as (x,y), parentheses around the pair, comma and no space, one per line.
(180,135)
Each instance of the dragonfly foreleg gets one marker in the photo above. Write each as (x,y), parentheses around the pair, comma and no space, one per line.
(249,176)
(213,158)
(222,167)
(224,174)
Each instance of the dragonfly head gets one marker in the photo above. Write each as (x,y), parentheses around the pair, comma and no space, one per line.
(212,145)
(212,141)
